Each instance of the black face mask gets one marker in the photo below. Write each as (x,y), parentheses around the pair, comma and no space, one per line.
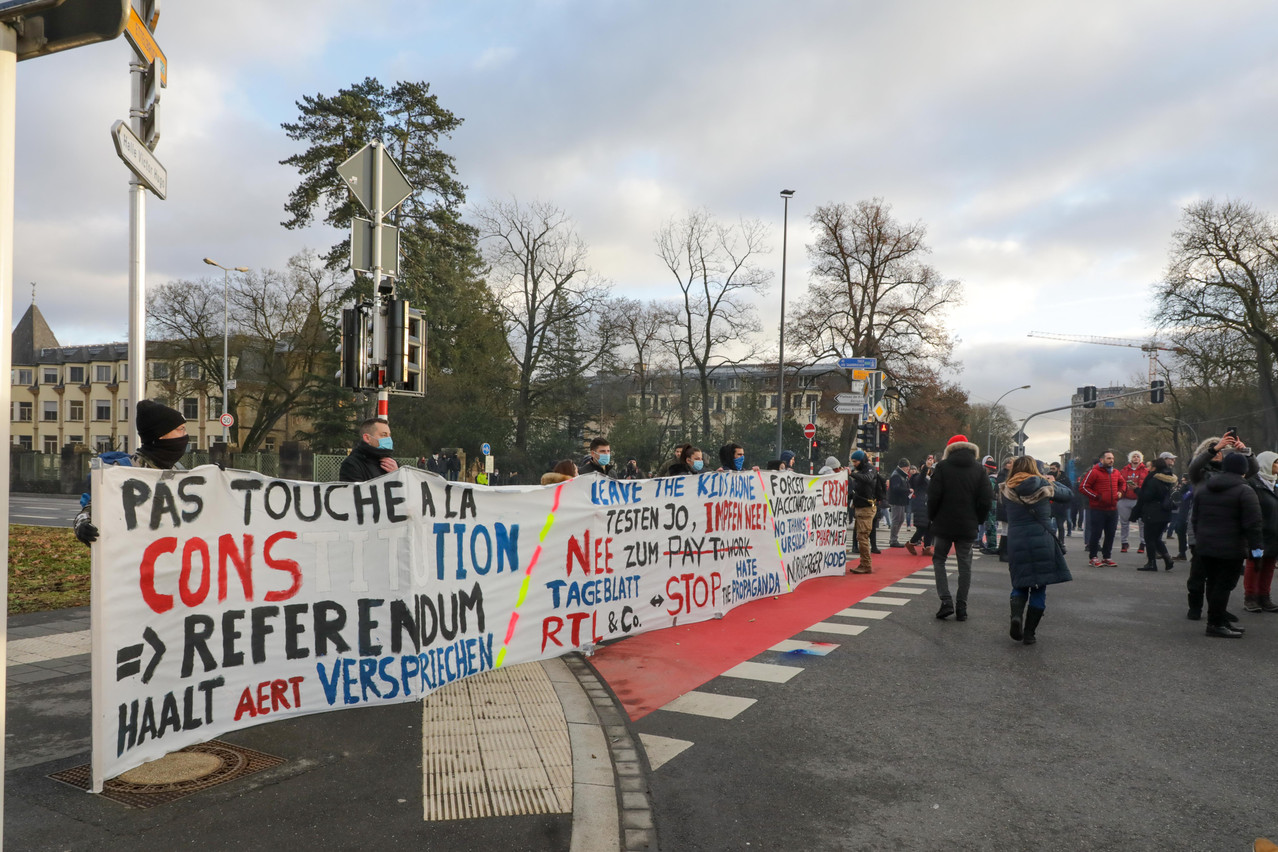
(166,451)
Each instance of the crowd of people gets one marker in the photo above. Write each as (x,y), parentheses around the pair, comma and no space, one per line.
(1223,512)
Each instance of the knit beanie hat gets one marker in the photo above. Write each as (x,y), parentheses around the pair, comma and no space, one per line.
(957,439)
(832,463)
(1234,463)
(154,420)
(787,456)
(859,455)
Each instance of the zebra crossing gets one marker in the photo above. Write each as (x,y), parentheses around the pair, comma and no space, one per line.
(869,610)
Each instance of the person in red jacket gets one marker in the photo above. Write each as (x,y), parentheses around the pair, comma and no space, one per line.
(1134,473)
(1104,487)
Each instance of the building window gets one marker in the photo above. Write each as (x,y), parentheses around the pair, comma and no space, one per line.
(727,402)
(191,407)
(75,409)
(124,409)
(49,412)
(102,373)
(190,370)
(101,409)
(22,412)
(50,375)
(159,370)
(270,445)
(50,443)
(75,375)
(215,407)
(23,377)
(75,439)
(773,403)
(102,443)
(24,442)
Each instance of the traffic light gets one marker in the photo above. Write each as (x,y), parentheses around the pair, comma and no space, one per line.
(1156,390)
(867,437)
(354,348)
(883,439)
(396,341)
(65,25)
(1089,396)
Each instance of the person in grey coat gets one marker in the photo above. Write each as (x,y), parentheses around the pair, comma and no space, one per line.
(1035,558)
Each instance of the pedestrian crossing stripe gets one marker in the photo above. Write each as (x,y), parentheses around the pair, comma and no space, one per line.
(798,646)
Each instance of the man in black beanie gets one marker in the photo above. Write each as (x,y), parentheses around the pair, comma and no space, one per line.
(162,432)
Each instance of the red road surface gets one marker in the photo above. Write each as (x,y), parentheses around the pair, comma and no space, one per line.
(650,670)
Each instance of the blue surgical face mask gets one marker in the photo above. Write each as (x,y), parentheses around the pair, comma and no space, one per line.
(739,463)
(697,464)
(605,458)
(385,443)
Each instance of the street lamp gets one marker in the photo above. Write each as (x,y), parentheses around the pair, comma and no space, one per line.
(989,432)
(785,226)
(226,338)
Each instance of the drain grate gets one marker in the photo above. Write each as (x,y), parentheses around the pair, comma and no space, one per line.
(175,775)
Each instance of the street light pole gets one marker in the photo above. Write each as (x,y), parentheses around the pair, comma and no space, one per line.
(785,227)
(989,432)
(226,339)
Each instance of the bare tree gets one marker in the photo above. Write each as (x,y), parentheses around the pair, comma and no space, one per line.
(544,286)
(1221,290)
(281,333)
(641,326)
(872,295)
(713,265)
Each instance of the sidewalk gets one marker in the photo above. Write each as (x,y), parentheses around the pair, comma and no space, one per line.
(531,757)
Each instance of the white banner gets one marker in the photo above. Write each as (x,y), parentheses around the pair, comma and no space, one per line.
(223,599)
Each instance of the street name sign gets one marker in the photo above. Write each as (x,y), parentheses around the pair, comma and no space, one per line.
(859,363)
(139,35)
(857,399)
(139,159)
(849,409)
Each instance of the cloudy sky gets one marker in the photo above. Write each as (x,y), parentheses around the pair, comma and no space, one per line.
(1048,147)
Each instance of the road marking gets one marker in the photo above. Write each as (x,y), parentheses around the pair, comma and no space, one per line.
(798,646)
(879,599)
(922,581)
(55,646)
(906,590)
(838,627)
(858,612)
(769,672)
(661,750)
(708,704)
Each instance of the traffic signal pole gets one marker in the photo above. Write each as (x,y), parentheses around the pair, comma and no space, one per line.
(1020,448)
(8,125)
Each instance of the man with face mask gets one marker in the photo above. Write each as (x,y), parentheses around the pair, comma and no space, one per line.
(162,432)
(598,460)
(372,454)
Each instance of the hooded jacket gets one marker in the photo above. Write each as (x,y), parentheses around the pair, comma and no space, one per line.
(1263,483)
(960,494)
(1226,517)
(1033,557)
(865,486)
(1152,503)
(1104,488)
(1202,466)
(1134,476)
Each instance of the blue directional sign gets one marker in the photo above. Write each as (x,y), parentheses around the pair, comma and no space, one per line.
(859,363)
(486,450)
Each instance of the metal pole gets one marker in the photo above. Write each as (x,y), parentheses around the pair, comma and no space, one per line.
(379,324)
(137,267)
(989,421)
(1020,449)
(226,345)
(785,228)
(8,99)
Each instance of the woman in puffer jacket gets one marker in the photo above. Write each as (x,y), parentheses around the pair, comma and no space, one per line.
(1035,560)
(1154,508)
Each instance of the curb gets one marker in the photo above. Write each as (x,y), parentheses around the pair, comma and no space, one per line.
(637,829)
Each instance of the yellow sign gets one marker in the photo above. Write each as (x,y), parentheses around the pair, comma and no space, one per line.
(880,411)
(861,375)
(135,29)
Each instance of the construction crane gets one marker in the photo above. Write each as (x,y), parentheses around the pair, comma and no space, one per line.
(1151,347)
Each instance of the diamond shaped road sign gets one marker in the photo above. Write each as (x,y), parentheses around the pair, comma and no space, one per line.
(358,173)
(1020,437)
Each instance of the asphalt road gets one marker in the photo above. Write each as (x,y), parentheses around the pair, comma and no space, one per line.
(42,510)
(1125,727)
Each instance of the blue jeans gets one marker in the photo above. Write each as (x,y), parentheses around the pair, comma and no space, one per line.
(1037,596)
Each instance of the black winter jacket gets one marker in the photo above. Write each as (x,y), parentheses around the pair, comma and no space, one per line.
(1268,513)
(1149,502)
(865,486)
(899,488)
(960,494)
(919,483)
(364,463)
(1226,517)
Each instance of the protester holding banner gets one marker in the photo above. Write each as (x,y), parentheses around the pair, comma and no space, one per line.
(599,459)
(688,460)
(732,457)
(372,454)
(561,472)
(162,431)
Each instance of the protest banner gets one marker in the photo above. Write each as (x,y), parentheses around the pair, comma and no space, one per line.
(224,599)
